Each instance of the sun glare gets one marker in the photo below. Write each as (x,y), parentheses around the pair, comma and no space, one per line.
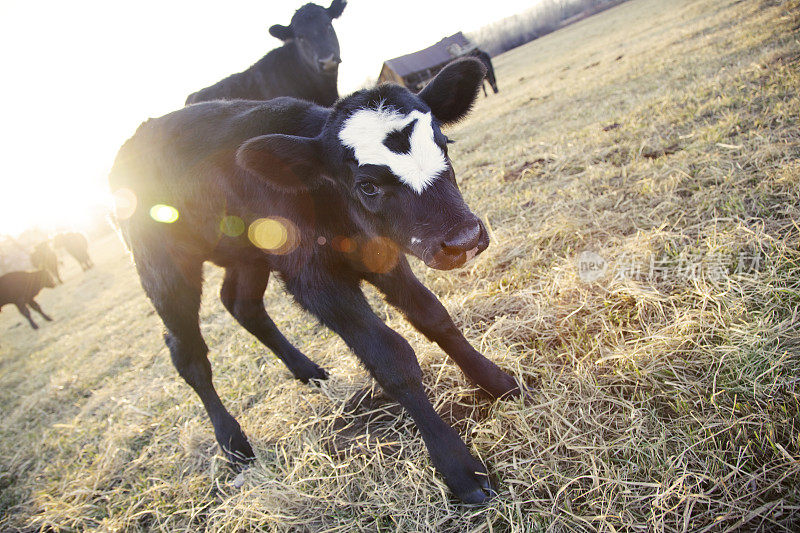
(49,206)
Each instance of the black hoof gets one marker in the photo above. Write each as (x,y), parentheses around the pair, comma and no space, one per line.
(241,456)
(235,445)
(480,494)
(503,387)
(466,477)
(312,374)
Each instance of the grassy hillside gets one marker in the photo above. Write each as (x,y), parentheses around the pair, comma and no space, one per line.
(665,396)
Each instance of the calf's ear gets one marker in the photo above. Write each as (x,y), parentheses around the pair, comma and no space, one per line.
(284,33)
(452,92)
(286,162)
(337,6)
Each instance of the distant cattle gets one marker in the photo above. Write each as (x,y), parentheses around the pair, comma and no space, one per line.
(15,255)
(44,258)
(20,289)
(76,245)
(326,198)
(306,66)
(487,62)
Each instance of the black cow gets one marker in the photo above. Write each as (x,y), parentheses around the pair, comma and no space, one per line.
(20,289)
(326,198)
(306,66)
(44,258)
(487,62)
(77,246)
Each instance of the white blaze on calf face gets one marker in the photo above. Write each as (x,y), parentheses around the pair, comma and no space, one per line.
(365,130)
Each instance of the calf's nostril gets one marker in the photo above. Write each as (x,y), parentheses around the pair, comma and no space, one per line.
(463,239)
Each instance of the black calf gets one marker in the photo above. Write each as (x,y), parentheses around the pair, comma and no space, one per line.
(327,199)
(20,289)
(487,62)
(306,66)
(77,246)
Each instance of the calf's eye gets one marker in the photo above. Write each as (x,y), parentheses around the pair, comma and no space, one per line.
(368,188)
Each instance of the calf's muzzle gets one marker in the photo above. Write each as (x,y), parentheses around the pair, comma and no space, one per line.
(461,244)
(330,63)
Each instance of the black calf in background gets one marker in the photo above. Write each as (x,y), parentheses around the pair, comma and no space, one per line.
(487,62)
(44,258)
(306,66)
(77,246)
(20,289)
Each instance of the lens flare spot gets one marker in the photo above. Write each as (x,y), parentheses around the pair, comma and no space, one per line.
(275,234)
(379,255)
(343,244)
(321,240)
(267,233)
(164,213)
(124,203)
(232,226)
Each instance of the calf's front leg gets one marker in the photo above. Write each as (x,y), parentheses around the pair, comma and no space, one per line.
(427,314)
(390,359)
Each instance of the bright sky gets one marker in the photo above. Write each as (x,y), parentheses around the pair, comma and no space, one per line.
(80,76)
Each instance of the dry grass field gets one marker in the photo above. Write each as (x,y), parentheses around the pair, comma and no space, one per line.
(665,396)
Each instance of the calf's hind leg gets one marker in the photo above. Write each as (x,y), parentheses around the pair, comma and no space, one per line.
(174,287)
(243,296)
(27,314)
